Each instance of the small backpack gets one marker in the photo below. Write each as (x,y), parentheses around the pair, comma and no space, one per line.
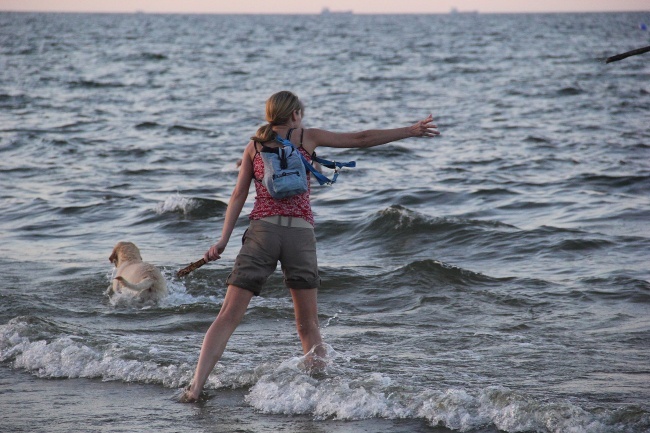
(284,171)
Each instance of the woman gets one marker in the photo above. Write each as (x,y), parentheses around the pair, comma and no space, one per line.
(279,230)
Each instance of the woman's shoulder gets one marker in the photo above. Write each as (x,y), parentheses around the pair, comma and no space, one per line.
(310,138)
(252,146)
(251,149)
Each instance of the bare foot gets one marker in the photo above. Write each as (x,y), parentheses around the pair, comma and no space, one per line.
(316,361)
(188,396)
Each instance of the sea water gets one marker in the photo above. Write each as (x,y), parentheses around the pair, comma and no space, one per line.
(493,278)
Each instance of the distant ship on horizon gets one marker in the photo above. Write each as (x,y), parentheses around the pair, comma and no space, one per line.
(455,11)
(327,11)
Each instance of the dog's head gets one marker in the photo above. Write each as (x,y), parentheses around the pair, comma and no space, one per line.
(125,252)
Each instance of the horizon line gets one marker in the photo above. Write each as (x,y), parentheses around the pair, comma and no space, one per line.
(335,13)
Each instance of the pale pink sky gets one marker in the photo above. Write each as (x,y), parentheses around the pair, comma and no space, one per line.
(307,7)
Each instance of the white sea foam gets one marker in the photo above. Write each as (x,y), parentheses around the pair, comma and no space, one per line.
(286,388)
(72,357)
(176,204)
(178,294)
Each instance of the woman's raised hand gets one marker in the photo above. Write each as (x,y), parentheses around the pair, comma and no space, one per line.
(425,128)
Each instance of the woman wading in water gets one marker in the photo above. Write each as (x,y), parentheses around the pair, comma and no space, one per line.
(280,230)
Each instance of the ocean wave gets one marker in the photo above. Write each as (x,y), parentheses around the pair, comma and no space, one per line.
(569,91)
(497,191)
(616,287)
(398,220)
(14,102)
(47,350)
(580,245)
(143,172)
(77,210)
(128,153)
(288,390)
(535,139)
(176,204)
(94,84)
(415,230)
(423,274)
(631,184)
(194,208)
(51,350)
(152,56)
(182,129)
(147,125)
(434,272)
(70,356)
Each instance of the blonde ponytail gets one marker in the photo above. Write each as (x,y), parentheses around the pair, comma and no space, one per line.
(279,109)
(264,133)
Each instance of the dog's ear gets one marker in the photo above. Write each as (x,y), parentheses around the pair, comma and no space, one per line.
(113,257)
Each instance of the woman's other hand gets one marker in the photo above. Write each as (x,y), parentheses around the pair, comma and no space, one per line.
(424,128)
(214,253)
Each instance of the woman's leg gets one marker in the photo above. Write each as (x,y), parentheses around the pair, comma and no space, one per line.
(306,311)
(214,343)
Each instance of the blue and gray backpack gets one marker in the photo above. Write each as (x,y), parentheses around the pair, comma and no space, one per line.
(286,169)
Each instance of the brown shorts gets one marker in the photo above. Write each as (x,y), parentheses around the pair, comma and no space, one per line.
(264,245)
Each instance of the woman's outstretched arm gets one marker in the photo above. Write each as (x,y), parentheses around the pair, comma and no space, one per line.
(369,138)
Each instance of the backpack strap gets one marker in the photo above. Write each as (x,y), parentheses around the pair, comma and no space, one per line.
(333,165)
(322,179)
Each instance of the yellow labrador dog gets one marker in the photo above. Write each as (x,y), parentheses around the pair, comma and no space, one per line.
(135,277)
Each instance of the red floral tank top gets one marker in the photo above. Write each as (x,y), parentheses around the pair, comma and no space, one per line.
(265,205)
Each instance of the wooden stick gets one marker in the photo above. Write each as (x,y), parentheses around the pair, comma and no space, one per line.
(636,52)
(191,267)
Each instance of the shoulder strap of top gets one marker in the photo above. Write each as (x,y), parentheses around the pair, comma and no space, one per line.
(257,152)
(302,134)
